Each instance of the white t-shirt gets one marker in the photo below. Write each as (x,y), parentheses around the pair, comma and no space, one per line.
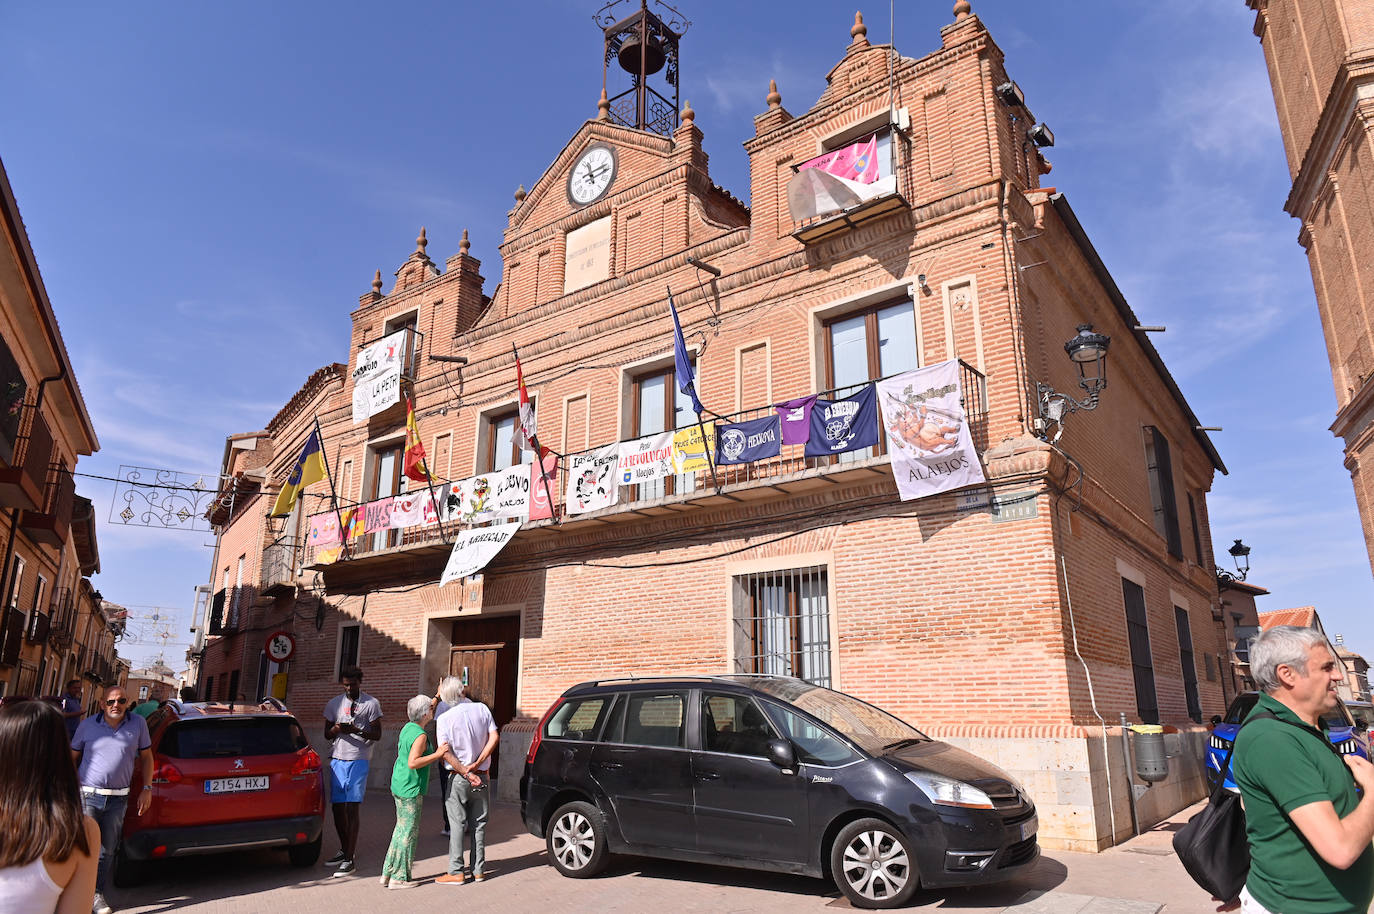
(361,714)
(465,727)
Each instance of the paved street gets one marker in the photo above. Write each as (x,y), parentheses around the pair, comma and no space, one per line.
(1139,877)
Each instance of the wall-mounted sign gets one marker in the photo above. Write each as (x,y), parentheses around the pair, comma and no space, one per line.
(587,257)
(281,646)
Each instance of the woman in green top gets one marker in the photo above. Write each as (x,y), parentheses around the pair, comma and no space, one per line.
(409,781)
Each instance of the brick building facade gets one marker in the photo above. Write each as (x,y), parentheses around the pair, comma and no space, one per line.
(1020,619)
(52,627)
(1321,66)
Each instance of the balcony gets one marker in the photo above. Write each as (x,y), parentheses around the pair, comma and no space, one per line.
(83,535)
(279,562)
(62,611)
(417,554)
(11,637)
(23,484)
(40,623)
(216,626)
(13,389)
(49,526)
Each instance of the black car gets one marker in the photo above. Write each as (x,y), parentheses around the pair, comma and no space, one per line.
(769,773)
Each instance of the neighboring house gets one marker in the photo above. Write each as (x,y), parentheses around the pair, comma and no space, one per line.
(1321,66)
(47,531)
(154,683)
(1082,573)
(1241,619)
(1355,687)
(1301,616)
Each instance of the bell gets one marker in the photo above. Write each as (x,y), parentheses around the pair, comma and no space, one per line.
(654,57)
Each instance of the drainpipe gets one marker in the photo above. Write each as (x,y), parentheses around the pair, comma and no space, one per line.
(5,568)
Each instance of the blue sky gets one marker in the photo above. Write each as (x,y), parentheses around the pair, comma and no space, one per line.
(208,189)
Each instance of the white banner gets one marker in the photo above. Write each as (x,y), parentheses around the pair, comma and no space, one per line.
(927,431)
(491,496)
(373,395)
(592,480)
(377,376)
(646,459)
(417,507)
(474,548)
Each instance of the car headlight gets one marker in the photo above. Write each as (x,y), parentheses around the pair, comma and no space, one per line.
(945,791)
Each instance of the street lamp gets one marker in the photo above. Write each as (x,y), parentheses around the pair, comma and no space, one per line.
(1088,351)
(1240,554)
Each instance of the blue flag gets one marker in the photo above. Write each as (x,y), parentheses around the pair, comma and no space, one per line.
(850,424)
(681,363)
(745,442)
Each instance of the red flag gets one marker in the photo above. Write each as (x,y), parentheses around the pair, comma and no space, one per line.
(413,463)
(527,423)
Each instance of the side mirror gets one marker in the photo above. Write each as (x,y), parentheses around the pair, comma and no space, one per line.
(1216,719)
(1361,726)
(781,753)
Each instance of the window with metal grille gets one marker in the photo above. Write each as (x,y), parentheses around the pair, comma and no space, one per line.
(782,623)
(1185,657)
(1142,664)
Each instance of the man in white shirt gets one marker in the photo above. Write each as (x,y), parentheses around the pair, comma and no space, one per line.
(352,723)
(467,726)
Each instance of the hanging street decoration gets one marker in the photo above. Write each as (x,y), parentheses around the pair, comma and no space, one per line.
(495,496)
(646,459)
(796,419)
(927,431)
(837,426)
(149,497)
(474,548)
(745,442)
(377,376)
(542,487)
(592,480)
(689,450)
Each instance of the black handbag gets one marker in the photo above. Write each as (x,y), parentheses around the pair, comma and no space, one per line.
(1212,847)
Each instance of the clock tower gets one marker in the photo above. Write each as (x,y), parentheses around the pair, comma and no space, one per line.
(641,44)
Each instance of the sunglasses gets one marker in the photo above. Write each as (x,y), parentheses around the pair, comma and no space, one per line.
(116,701)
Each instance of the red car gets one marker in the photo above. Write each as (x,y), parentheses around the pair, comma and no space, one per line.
(225,778)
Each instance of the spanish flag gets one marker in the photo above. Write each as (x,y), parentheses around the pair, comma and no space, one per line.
(309,468)
(413,461)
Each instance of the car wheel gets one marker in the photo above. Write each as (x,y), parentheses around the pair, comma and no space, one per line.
(305,854)
(128,873)
(577,840)
(873,865)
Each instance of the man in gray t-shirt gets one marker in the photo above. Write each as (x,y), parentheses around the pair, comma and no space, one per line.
(352,723)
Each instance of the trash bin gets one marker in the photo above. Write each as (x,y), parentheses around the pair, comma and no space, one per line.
(1151,764)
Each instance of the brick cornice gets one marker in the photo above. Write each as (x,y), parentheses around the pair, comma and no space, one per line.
(1351,94)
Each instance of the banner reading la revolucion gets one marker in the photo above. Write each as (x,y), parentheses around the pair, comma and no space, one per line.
(927,431)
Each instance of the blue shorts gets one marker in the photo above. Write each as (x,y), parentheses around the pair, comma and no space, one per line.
(347,780)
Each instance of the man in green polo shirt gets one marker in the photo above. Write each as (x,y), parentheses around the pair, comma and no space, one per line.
(1309,829)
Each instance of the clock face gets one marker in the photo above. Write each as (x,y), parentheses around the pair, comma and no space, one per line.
(592,175)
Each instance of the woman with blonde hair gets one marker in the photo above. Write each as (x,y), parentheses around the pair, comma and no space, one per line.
(48,848)
(409,783)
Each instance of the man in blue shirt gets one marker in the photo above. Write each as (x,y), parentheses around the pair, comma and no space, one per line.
(104,749)
(72,710)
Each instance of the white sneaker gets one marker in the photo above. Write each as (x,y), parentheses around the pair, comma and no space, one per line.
(100,906)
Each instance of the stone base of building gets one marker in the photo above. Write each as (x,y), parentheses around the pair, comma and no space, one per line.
(1082,797)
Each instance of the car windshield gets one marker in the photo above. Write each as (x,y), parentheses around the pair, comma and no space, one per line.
(870,728)
(1240,708)
(224,737)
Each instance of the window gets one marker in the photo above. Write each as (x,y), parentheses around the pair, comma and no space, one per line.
(1197,531)
(233,624)
(40,591)
(735,725)
(233,686)
(884,146)
(226,738)
(815,745)
(578,719)
(142,693)
(1142,666)
(17,578)
(870,344)
(1207,665)
(1163,500)
(386,480)
(782,624)
(659,406)
(503,442)
(1185,657)
(209,688)
(350,644)
(410,355)
(655,720)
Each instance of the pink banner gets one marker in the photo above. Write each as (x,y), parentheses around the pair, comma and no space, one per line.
(377,516)
(542,488)
(324,529)
(856,162)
